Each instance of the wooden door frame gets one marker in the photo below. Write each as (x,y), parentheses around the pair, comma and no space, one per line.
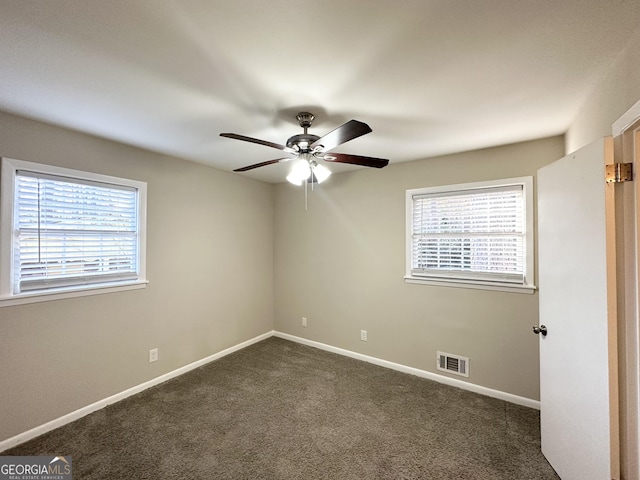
(626,131)
(614,285)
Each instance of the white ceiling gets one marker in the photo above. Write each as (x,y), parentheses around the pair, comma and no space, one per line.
(429,76)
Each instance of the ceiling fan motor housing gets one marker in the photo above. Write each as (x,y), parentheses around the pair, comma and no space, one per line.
(301,142)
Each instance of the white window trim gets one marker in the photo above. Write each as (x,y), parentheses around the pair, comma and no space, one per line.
(10,167)
(529,280)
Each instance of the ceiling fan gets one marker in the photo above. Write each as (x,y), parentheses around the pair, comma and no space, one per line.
(307,149)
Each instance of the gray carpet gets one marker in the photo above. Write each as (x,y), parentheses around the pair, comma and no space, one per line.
(280,410)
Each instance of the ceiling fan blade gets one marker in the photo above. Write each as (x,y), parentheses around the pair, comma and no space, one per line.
(258,141)
(356,160)
(350,130)
(262,164)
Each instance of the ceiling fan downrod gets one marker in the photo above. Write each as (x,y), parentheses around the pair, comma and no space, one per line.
(301,143)
(305,119)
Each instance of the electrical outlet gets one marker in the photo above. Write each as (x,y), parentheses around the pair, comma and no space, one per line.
(153,355)
(363,335)
(304,321)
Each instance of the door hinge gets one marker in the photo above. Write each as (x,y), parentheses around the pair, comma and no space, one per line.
(618,172)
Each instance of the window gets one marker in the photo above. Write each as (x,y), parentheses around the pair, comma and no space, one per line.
(477,235)
(67,233)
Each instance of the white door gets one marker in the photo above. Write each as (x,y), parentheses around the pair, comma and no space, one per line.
(574,355)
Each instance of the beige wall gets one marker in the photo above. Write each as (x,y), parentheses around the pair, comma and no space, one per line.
(210,271)
(341,265)
(612,97)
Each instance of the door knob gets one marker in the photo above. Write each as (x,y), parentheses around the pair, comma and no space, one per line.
(540,329)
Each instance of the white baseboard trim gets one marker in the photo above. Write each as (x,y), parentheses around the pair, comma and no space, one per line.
(70,417)
(507,397)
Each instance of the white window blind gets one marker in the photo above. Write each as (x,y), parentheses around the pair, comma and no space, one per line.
(475,234)
(70,232)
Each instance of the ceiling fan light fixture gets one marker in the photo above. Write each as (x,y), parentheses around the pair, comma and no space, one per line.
(299,172)
(321,172)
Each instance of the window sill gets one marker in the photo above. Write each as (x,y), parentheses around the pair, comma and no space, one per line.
(35,297)
(474,284)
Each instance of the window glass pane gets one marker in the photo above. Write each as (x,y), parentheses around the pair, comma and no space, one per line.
(72,232)
(476,233)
